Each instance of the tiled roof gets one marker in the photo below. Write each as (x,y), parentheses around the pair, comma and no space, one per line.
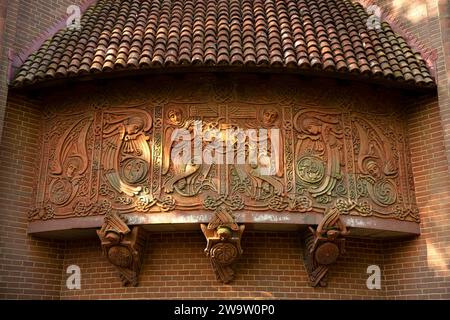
(328,35)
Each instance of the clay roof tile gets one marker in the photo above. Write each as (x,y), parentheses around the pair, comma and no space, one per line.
(324,35)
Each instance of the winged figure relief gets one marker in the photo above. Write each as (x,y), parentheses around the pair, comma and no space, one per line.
(70,162)
(263,150)
(376,164)
(189,173)
(126,150)
(318,151)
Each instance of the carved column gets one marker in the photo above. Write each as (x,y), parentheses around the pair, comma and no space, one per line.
(323,246)
(123,247)
(223,246)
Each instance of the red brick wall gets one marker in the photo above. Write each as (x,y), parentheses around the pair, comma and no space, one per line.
(29,267)
(26,21)
(429,22)
(176,267)
(419,268)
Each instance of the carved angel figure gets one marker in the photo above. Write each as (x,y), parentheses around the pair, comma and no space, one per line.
(264,170)
(318,151)
(188,175)
(376,164)
(127,152)
(70,163)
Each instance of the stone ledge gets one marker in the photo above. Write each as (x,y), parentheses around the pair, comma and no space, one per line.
(371,227)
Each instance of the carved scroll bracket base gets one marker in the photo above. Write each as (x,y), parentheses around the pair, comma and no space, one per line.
(123,247)
(323,246)
(223,246)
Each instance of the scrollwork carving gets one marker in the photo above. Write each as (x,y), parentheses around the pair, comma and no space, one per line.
(60,191)
(69,164)
(121,150)
(324,245)
(84,208)
(310,169)
(223,245)
(384,192)
(45,213)
(145,201)
(123,247)
(234,203)
(318,150)
(126,151)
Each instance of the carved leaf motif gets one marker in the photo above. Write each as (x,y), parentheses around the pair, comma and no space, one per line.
(108,147)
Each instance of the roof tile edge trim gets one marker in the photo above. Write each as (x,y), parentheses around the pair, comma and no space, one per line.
(18,58)
(428,54)
(328,35)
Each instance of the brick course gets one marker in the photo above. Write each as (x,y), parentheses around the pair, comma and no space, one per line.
(176,267)
(419,268)
(29,267)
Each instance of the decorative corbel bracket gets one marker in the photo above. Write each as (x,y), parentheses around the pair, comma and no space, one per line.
(323,246)
(223,243)
(123,247)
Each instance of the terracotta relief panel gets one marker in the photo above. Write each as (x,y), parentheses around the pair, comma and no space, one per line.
(112,151)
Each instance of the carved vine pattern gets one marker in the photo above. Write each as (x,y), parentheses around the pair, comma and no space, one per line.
(116,156)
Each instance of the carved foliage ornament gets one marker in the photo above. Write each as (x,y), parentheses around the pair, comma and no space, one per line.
(121,158)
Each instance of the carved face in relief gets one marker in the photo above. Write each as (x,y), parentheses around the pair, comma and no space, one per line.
(270,116)
(72,167)
(133,125)
(373,168)
(174,116)
(312,126)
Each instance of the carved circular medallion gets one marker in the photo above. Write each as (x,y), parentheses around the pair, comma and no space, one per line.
(385,192)
(60,191)
(120,256)
(310,169)
(327,253)
(224,252)
(134,170)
